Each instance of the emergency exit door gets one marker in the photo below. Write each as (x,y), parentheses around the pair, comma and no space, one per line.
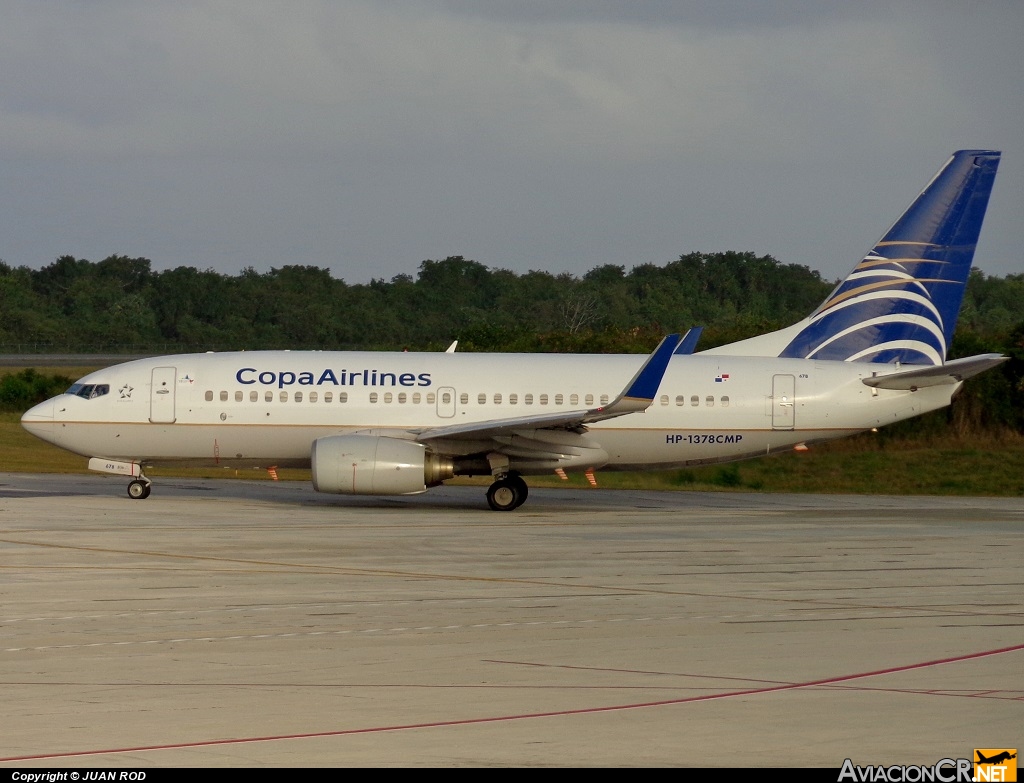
(446,402)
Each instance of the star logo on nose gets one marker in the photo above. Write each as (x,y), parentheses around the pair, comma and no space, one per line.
(126,392)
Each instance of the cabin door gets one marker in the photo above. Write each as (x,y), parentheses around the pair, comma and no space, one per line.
(783,402)
(161,396)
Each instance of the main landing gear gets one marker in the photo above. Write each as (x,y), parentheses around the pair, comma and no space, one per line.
(139,489)
(507,493)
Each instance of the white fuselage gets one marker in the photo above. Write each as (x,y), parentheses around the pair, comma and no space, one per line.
(266,408)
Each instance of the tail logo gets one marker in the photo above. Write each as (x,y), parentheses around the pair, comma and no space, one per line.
(885,308)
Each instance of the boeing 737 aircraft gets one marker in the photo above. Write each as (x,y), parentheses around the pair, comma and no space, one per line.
(873,353)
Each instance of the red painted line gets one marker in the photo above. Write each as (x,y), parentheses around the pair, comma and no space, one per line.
(528,716)
(617,670)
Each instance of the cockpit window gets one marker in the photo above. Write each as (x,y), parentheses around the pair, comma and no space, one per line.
(89,391)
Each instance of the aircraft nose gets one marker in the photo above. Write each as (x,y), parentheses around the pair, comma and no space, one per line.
(39,420)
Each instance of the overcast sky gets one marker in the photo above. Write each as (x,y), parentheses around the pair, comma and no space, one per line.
(366,137)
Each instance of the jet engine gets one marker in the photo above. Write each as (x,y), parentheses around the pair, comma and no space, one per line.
(374,465)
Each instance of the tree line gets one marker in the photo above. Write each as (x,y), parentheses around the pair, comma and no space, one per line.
(121,304)
(75,304)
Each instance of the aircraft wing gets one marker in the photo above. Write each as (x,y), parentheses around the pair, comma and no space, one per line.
(636,396)
(937,375)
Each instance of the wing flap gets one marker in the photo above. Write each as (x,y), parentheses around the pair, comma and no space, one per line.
(491,427)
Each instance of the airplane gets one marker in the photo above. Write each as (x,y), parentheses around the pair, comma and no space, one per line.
(996,759)
(396,423)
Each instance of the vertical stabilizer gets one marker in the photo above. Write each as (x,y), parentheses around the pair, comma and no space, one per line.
(900,304)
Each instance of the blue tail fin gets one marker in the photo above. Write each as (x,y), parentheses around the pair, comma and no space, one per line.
(901,302)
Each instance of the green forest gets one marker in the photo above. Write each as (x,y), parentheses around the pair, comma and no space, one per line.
(121,305)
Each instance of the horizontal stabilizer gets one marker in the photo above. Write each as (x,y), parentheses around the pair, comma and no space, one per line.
(950,372)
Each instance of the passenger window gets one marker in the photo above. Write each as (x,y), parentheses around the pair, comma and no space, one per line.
(725,402)
(463,398)
(558,399)
(431,397)
(254,396)
(416,398)
(223,396)
(298,396)
(543,399)
(680,399)
(481,399)
(664,399)
(497,399)
(342,396)
(446,398)
(588,400)
(238,396)
(528,399)
(604,399)
(209,396)
(269,397)
(313,397)
(513,399)
(284,396)
(402,397)
(373,396)
(328,396)
(710,401)
(574,399)
(695,400)
(387,397)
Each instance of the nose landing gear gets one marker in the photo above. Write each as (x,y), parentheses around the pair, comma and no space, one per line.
(139,489)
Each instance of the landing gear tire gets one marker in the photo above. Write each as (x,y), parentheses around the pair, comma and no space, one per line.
(138,490)
(507,494)
(502,495)
(521,488)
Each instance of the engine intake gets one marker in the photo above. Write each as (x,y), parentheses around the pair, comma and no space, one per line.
(374,465)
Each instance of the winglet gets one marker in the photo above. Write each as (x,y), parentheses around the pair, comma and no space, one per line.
(640,391)
(689,342)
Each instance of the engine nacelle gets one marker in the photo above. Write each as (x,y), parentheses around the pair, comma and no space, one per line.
(373,465)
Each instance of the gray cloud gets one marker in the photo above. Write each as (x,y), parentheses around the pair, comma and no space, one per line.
(368,136)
